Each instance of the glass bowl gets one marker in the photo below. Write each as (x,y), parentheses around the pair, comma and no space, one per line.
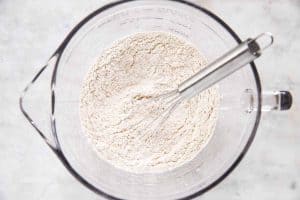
(239,113)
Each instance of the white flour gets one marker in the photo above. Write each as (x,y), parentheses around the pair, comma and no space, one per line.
(126,74)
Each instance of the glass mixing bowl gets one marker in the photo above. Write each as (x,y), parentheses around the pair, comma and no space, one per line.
(239,113)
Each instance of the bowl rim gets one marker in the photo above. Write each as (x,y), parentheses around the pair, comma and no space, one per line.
(58,53)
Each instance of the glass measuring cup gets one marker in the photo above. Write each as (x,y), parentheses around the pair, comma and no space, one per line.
(241,101)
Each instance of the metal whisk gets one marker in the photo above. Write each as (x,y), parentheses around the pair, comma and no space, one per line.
(222,67)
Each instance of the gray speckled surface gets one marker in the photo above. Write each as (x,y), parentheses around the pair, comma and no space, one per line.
(31,30)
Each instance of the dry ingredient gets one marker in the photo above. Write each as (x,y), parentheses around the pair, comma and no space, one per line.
(129,72)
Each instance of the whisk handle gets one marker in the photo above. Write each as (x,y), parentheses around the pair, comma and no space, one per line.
(227,64)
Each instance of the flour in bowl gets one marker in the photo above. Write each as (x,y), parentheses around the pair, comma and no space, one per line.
(130,71)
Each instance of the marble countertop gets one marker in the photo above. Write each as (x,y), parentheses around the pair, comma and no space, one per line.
(31,30)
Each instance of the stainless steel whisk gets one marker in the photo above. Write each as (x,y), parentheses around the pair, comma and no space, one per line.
(233,60)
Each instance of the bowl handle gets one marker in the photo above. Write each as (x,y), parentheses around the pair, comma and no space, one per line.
(279,100)
(29,102)
(276,100)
